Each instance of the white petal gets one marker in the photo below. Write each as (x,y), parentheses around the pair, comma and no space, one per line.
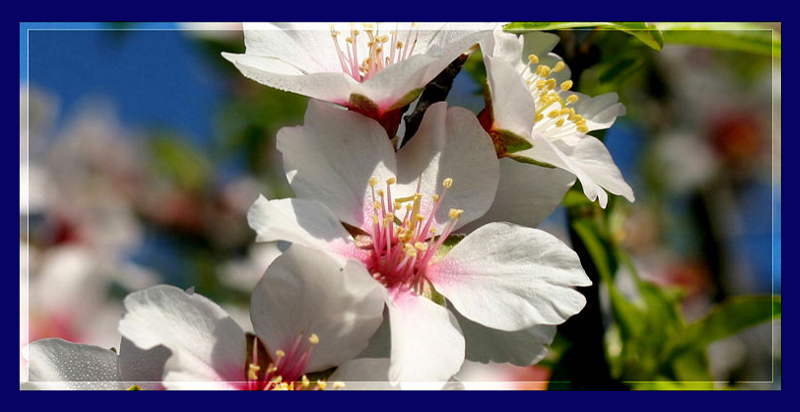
(307,46)
(58,364)
(600,111)
(588,160)
(332,157)
(522,348)
(208,347)
(308,291)
(450,143)
(510,277)
(527,194)
(502,45)
(373,374)
(300,221)
(142,367)
(513,107)
(330,87)
(427,344)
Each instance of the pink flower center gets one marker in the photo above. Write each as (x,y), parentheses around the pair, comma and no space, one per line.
(404,240)
(287,369)
(383,50)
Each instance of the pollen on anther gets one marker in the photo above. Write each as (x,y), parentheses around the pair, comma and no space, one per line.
(572,98)
(391,180)
(566,85)
(338,385)
(313,339)
(533,58)
(455,213)
(373,181)
(421,246)
(447,182)
(279,353)
(322,384)
(558,67)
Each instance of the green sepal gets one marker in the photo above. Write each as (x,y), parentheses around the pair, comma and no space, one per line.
(528,160)
(405,100)
(511,141)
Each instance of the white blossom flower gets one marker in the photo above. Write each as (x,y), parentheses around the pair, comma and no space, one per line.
(309,314)
(502,281)
(534,117)
(371,68)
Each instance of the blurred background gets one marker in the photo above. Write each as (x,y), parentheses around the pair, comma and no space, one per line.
(141,150)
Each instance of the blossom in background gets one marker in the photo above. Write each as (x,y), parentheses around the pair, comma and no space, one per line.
(506,284)
(534,118)
(372,68)
(309,314)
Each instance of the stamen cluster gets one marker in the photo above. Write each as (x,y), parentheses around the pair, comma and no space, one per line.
(384,50)
(404,240)
(552,110)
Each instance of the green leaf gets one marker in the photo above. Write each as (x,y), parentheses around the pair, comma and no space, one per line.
(727,319)
(179,160)
(646,33)
(747,37)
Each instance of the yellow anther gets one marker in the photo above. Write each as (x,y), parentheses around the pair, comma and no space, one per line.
(349,40)
(391,180)
(338,385)
(447,182)
(421,246)
(558,67)
(399,44)
(313,339)
(417,196)
(539,117)
(272,368)
(543,70)
(551,84)
(373,181)
(564,112)
(554,113)
(305,382)
(384,38)
(408,207)
(583,129)
(455,213)
(376,205)
(390,216)
(375,219)
(433,230)
(277,379)
(541,83)
(572,98)
(252,371)
(380,192)
(322,385)
(279,353)
(435,197)
(420,217)
(409,250)
(396,205)
(560,122)
(284,386)
(566,85)
(533,58)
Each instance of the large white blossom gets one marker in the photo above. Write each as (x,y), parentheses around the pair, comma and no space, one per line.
(371,68)
(532,110)
(503,283)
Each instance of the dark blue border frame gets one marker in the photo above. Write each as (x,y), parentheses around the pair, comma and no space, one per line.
(489,11)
